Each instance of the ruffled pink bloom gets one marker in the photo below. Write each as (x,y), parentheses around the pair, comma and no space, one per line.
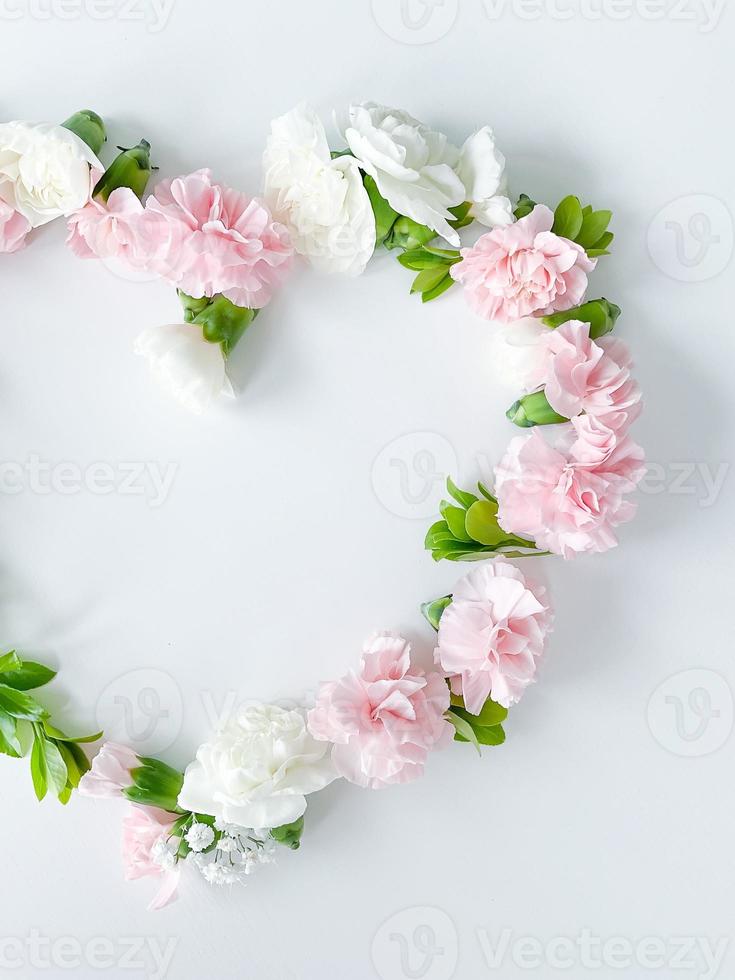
(384,718)
(492,634)
(110,772)
(144,827)
(523,269)
(583,375)
(110,231)
(567,500)
(13,229)
(221,241)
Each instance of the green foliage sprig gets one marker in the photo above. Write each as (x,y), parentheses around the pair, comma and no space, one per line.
(469,529)
(57,761)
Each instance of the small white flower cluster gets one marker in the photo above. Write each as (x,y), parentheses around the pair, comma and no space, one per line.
(237,851)
(164,852)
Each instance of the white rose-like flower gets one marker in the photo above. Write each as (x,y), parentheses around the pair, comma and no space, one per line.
(519,353)
(481,169)
(322,202)
(412,165)
(189,367)
(258,770)
(44,170)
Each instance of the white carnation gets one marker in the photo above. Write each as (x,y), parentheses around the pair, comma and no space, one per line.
(481,169)
(518,353)
(44,170)
(258,770)
(189,367)
(412,165)
(322,201)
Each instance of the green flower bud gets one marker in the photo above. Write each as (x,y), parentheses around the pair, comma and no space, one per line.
(131,168)
(289,835)
(89,127)
(409,234)
(155,784)
(534,409)
(601,315)
(221,321)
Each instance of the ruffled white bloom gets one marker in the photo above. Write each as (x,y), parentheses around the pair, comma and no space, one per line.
(412,165)
(199,836)
(481,169)
(189,367)
(258,770)
(322,202)
(518,353)
(44,170)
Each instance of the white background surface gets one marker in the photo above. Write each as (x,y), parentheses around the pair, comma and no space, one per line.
(279,547)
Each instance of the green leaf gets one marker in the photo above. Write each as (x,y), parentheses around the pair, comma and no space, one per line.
(428,279)
(9,742)
(28,676)
(55,766)
(59,736)
(524,207)
(433,611)
(486,493)
(482,523)
(420,258)
(446,283)
(492,713)
(75,760)
(593,228)
(463,731)
(491,735)
(455,518)
(462,216)
(462,497)
(568,218)
(534,409)
(39,773)
(10,661)
(20,705)
(385,216)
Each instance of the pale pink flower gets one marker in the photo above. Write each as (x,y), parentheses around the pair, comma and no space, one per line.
(583,375)
(110,772)
(492,634)
(566,501)
(384,718)
(145,829)
(13,229)
(111,230)
(523,269)
(221,240)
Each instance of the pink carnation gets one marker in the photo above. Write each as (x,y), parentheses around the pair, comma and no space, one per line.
(563,501)
(110,231)
(523,269)
(384,718)
(492,634)
(13,229)
(221,240)
(583,375)
(110,772)
(145,829)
